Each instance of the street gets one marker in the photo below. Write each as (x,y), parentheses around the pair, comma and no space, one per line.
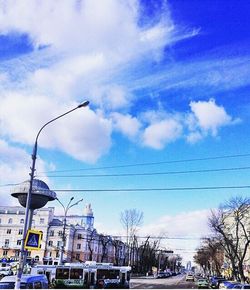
(175,282)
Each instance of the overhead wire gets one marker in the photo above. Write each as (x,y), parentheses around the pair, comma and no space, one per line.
(152,189)
(152,173)
(148,164)
(151,163)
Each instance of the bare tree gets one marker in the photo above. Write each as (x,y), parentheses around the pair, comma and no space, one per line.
(210,256)
(91,237)
(104,241)
(118,247)
(131,219)
(148,255)
(231,225)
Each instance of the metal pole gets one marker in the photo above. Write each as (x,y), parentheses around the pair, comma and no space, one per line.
(64,226)
(63,240)
(23,252)
(159,261)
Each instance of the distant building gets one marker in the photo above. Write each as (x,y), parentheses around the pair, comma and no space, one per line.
(83,243)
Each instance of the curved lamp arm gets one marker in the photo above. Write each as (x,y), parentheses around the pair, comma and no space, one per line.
(84,104)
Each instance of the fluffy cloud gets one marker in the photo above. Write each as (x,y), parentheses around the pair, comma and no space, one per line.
(14,167)
(112,97)
(172,225)
(88,42)
(159,134)
(128,125)
(185,230)
(210,116)
(207,117)
(84,134)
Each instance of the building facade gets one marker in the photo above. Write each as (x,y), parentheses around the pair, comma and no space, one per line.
(82,241)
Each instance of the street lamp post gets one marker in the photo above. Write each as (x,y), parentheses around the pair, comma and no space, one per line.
(69,205)
(28,201)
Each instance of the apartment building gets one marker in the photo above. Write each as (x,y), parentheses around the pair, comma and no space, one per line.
(82,241)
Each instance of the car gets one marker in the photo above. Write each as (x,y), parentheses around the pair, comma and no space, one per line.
(215,281)
(202,283)
(5,270)
(27,282)
(227,284)
(190,277)
(161,275)
(241,286)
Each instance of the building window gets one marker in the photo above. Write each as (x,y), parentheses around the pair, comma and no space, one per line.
(17,252)
(58,244)
(78,246)
(20,232)
(18,242)
(57,254)
(6,243)
(5,253)
(60,233)
(50,243)
(8,231)
(79,236)
(21,221)
(41,220)
(78,257)
(51,233)
(10,221)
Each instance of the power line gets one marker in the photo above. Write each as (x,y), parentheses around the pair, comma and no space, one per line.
(153,189)
(152,173)
(146,164)
(153,163)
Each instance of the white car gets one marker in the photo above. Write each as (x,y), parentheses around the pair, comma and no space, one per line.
(190,277)
(5,271)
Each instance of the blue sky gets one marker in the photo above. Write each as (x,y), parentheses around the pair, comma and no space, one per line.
(166,80)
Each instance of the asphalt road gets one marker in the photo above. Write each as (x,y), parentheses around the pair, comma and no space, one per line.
(175,282)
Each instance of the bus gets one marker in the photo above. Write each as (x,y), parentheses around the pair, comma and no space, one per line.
(48,270)
(92,275)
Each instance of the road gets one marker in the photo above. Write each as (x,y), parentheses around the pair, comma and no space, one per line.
(175,282)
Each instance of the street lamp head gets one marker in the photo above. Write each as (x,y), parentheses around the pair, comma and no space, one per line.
(84,104)
(41,193)
(72,198)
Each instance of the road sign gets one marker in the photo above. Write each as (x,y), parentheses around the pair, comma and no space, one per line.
(33,240)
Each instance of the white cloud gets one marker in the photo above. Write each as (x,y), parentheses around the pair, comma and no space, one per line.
(210,116)
(128,125)
(172,225)
(63,78)
(184,230)
(207,117)
(83,134)
(110,97)
(14,168)
(157,135)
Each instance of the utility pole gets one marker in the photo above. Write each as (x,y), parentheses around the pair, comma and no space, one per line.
(69,205)
(28,213)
